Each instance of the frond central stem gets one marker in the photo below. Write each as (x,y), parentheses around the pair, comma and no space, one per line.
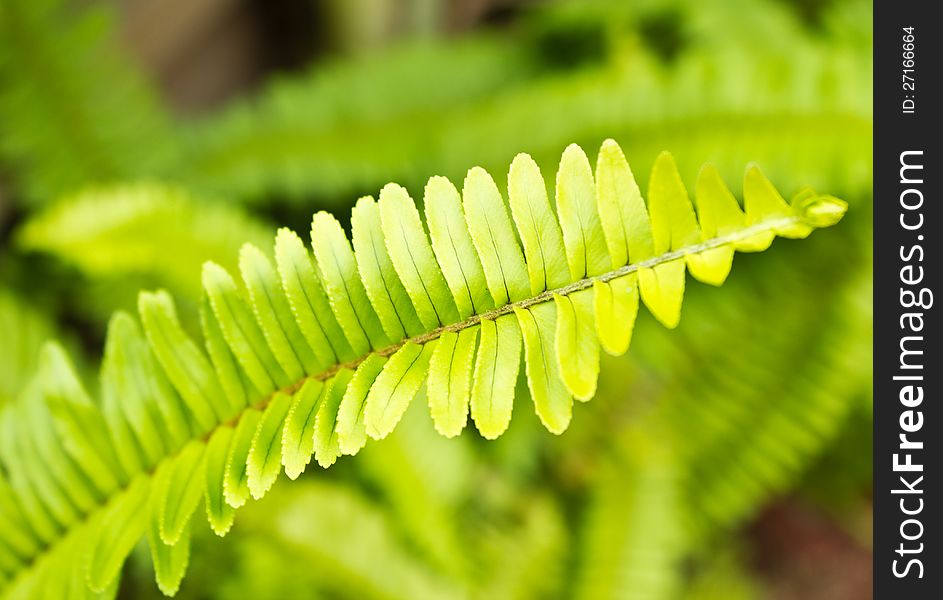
(545,296)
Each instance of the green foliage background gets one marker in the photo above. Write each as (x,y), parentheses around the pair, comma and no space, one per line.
(760,399)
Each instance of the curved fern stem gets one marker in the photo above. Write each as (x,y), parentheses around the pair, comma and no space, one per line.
(322,350)
(759,229)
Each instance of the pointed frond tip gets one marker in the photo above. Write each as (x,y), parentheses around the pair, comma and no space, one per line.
(311,353)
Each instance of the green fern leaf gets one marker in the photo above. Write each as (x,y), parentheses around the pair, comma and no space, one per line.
(632,541)
(170,560)
(265,451)
(386,291)
(148,229)
(235,480)
(395,387)
(120,529)
(326,442)
(616,306)
(351,428)
(74,109)
(575,342)
(449,384)
(181,494)
(413,259)
(218,511)
(273,313)
(796,102)
(298,434)
(184,363)
(496,368)
(454,248)
(773,445)
(305,348)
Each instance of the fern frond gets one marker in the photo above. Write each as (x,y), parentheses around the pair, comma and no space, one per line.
(774,445)
(73,111)
(632,540)
(149,229)
(738,449)
(344,338)
(287,129)
(801,109)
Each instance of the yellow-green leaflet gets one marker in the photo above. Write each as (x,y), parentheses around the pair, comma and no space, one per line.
(413,258)
(449,385)
(351,428)
(349,301)
(815,211)
(129,423)
(238,389)
(662,290)
(719,215)
(134,388)
(454,249)
(616,306)
(179,497)
(35,514)
(761,202)
(185,365)
(72,575)
(235,485)
(61,505)
(17,537)
(583,236)
(73,495)
(298,433)
(575,343)
(170,560)
(120,528)
(552,400)
(218,512)
(622,212)
(494,239)
(308,300)
(537,225)
(265,454)
(241,331)
(383,285)
(79,423)
(326,445)
(717,210)
(673,223)
(395,387)
(274,314)
(496,367)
